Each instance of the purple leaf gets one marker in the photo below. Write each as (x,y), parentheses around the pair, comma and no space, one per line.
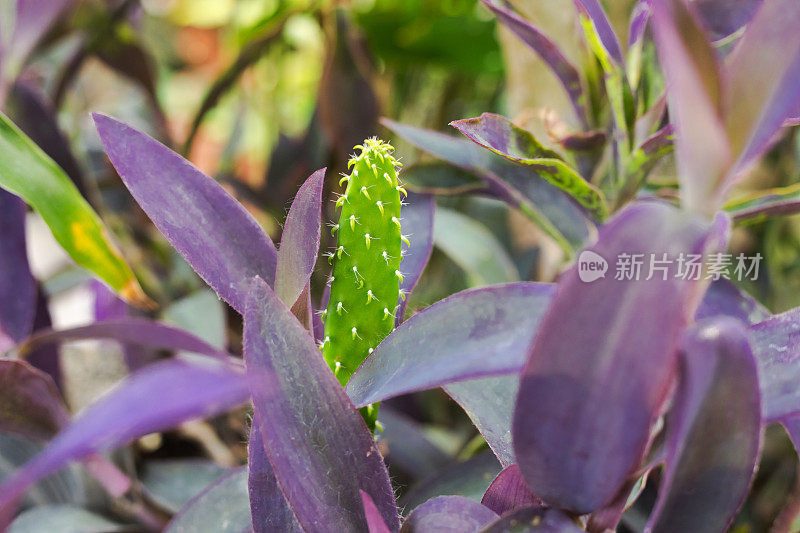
(475,333)
(418,225)
(300,240)
(131,330)
(217,236)
(723,298)
(47,358)
(533,520)
(448,514)
(30,404)
(319,446)
(776,345)
(375,521)
(639,18)
(269,508)
(509,492)
(714,432)
(159,397)
(547,50)
(723,17)
(694,96)
(17,286)
(606,34)
(489,403)
(221,508)
(604,359)
(762,79)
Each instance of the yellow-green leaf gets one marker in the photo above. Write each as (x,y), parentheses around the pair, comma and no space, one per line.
(28,172)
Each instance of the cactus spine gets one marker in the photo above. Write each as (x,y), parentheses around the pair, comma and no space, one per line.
(366,279)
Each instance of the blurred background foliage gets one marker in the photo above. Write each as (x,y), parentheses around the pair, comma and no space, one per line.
(259,94)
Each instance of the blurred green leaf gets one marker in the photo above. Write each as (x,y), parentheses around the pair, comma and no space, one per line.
(472,247)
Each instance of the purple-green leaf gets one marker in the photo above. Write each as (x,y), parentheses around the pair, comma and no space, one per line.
(300,240)
(319,446)
(602,26)
(604,359)
(521,187)
(694,95)
(268,506)
(417,220)
(723,17)
(474,333)
(159,397)
(547,50)
(766,203)
(502,137)
(762,79)
(17,286)
(509,492)
(448,514)
(211,230)
(30,404)
(714,432)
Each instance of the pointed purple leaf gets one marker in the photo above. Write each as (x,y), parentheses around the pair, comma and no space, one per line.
(694,95)
(762,79)
(533,520)
(448,514)
(375,521)
(602,26)
(639,19)
(547,50)
(300,240)
(159,397)
(268,506)
(30,404)
(714,432)
(217,236)
(319,446)
(776,345)
(509,492)
(475,333)
(17,286)
(417,220)
(604,359)
(489,403)
(137,331)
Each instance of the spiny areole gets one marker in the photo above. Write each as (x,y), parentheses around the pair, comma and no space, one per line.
(365,284)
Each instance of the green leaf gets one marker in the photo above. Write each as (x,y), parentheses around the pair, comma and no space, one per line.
(472,247)
(28,172)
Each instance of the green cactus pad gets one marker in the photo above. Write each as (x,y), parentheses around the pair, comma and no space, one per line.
(365,285)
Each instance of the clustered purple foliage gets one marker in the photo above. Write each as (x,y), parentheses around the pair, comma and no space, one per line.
(580,389)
